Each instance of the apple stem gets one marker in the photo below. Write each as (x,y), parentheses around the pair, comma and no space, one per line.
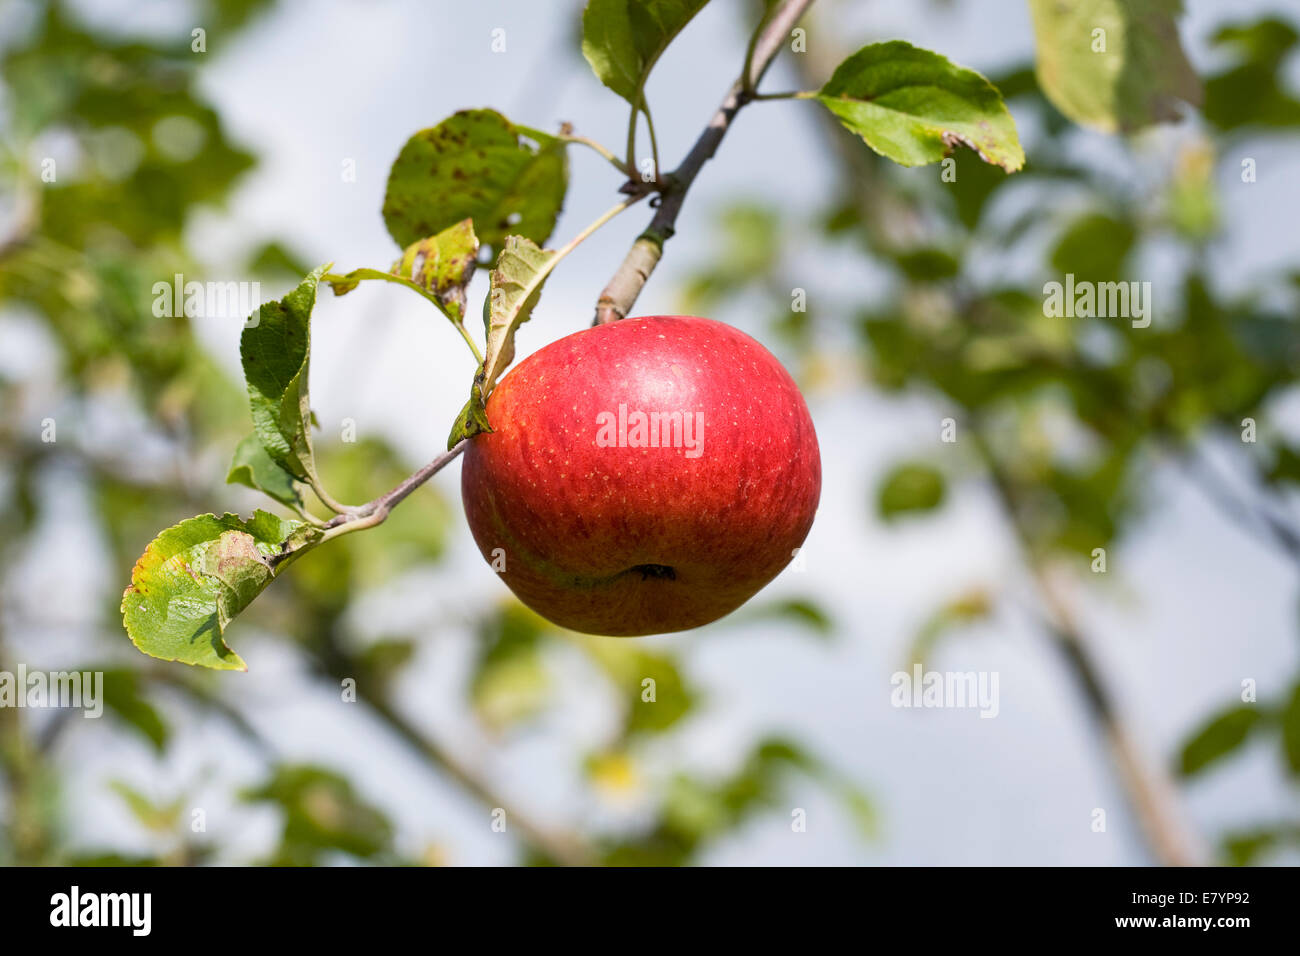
(376,512)
(790,95)
(654,142)
(326,499)
(597,147)
(618,297)
(595,224)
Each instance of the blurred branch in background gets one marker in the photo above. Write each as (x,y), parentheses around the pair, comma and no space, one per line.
(1154,799)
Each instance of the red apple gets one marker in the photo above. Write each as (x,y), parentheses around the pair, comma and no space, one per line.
(644,476)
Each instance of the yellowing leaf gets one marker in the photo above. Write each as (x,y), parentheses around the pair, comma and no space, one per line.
(517,281)
(1113,65)
(195,577)
(440,265)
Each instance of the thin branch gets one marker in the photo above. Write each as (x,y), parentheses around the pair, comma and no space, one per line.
(376,511)
(618,297)
(792,95)
(564,848)
(772,38)
(1251,515)
(1150,791)
(654,141)
(599,221)
(747,84)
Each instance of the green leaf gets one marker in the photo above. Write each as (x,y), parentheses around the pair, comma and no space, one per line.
(1113,65)
(275,349)
(322,812)
(1285,466)
(862,809)
(1246,847)
(1266,41)
(1253,91)
(1223,734)
(628,670)
(122,696)
(763,777)
(913,106)
(674,697)
(441,266)
(476,165)
(152,815)
(516,285)
(696,810)
(623,39)
(195,577)
(472,419)
(517,281)
(510,682)
(275,258)
(1094,247)
(746,248)
(963,610)
(384,660)
(796,610)
(1193,200)
(252,466)
(909,487)
(927,264)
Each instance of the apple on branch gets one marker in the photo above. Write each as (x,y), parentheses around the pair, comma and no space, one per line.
(643,476)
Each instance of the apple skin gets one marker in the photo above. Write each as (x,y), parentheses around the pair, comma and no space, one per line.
(627,541)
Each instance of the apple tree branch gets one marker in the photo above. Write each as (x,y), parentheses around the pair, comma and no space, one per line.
(618,297)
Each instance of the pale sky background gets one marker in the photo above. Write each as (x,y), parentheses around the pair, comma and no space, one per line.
(1189,609)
